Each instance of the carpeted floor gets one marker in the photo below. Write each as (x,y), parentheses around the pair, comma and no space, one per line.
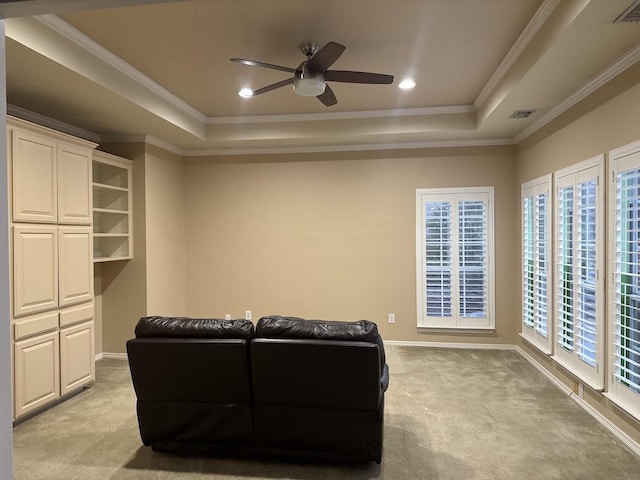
(450,415)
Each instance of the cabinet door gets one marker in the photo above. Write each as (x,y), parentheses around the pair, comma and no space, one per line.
(35,269)
(37,372)
(74,185)
(34,172)
(77,356)
(75,265)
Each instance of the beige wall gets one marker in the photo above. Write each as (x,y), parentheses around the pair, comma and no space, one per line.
(592,128)
(333,236)
(165,245)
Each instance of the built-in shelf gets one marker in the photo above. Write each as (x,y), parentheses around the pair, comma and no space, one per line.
(112,215)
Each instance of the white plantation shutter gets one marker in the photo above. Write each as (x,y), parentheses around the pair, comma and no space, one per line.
(438,258)
(624,386)
(564,268)
(536,233)
(454,246)
(579,248)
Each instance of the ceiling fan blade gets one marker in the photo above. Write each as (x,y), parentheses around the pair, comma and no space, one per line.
(328,97)
(255,63)
(358,77)
(326,56)
(273,86)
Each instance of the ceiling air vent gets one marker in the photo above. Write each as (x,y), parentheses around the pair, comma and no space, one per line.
(522,114)
(631,14)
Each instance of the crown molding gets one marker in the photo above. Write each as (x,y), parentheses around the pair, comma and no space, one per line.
(616,68)
(523,41)
(148,139)
(351,148)
(312,117)
(52,123)
(80,39)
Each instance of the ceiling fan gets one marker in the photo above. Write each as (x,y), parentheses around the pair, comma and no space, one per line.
(311,77)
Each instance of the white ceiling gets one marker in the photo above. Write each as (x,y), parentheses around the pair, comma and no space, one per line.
(161,70)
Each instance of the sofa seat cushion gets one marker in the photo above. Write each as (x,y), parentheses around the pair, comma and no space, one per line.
(183,327)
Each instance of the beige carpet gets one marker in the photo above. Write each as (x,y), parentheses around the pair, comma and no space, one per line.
(450,415)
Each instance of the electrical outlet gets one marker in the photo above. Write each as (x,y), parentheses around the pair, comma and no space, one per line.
(392,318)
(580,390)
(227,316)
(247,314)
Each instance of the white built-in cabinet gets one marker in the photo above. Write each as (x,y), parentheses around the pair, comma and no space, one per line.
(52,311)
(112,208)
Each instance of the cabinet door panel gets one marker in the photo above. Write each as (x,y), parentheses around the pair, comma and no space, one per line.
(76,267)
(74,185)
(35,269)
(77,356)
(37,372)
(34,167)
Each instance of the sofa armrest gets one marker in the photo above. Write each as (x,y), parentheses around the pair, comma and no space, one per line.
(384,380)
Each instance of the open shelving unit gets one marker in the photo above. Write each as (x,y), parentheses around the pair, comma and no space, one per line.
(112,208)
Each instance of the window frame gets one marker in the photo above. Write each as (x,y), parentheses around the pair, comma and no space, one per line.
(625,158)
(455,321)
(570,357)
(533,189)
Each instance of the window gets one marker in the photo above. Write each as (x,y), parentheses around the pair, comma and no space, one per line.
(454,229)
(579,249)
(536,275)
(624,287)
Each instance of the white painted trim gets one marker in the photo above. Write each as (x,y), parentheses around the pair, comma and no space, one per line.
(314,117)
(98,356)
(465,346)
(604,421)
(149,139)
(63,28)
(351,148)
(628,149)
(538,366)
(115,356)
(523,41)
(616,68)
(6,430)
(52,123)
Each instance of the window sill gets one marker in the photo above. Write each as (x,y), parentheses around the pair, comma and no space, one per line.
(457,330)
(621,404)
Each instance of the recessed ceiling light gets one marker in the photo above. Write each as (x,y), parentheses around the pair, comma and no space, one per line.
(245,92)
(407,84)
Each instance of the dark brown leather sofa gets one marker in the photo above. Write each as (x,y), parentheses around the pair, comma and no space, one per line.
(295,387)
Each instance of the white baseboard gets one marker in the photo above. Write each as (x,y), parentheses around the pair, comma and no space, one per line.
(115,356)
(474,346)
(604,421)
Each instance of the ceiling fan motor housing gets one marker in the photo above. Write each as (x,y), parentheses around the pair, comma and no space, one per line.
(307,82)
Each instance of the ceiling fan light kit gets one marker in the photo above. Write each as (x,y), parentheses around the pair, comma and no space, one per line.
(308,83)
(311,76)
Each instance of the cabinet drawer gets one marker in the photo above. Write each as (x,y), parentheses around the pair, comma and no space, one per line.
(28,326)
(82,313)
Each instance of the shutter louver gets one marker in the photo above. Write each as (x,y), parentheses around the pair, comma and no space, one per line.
(627,281)
(565,268)
(438,259)
(471,258)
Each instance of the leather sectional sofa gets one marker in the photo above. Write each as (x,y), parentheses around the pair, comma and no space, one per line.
(289,386)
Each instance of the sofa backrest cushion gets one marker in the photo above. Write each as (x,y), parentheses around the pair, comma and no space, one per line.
(299,328)
(183,327)
(277,326)
(315,374)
